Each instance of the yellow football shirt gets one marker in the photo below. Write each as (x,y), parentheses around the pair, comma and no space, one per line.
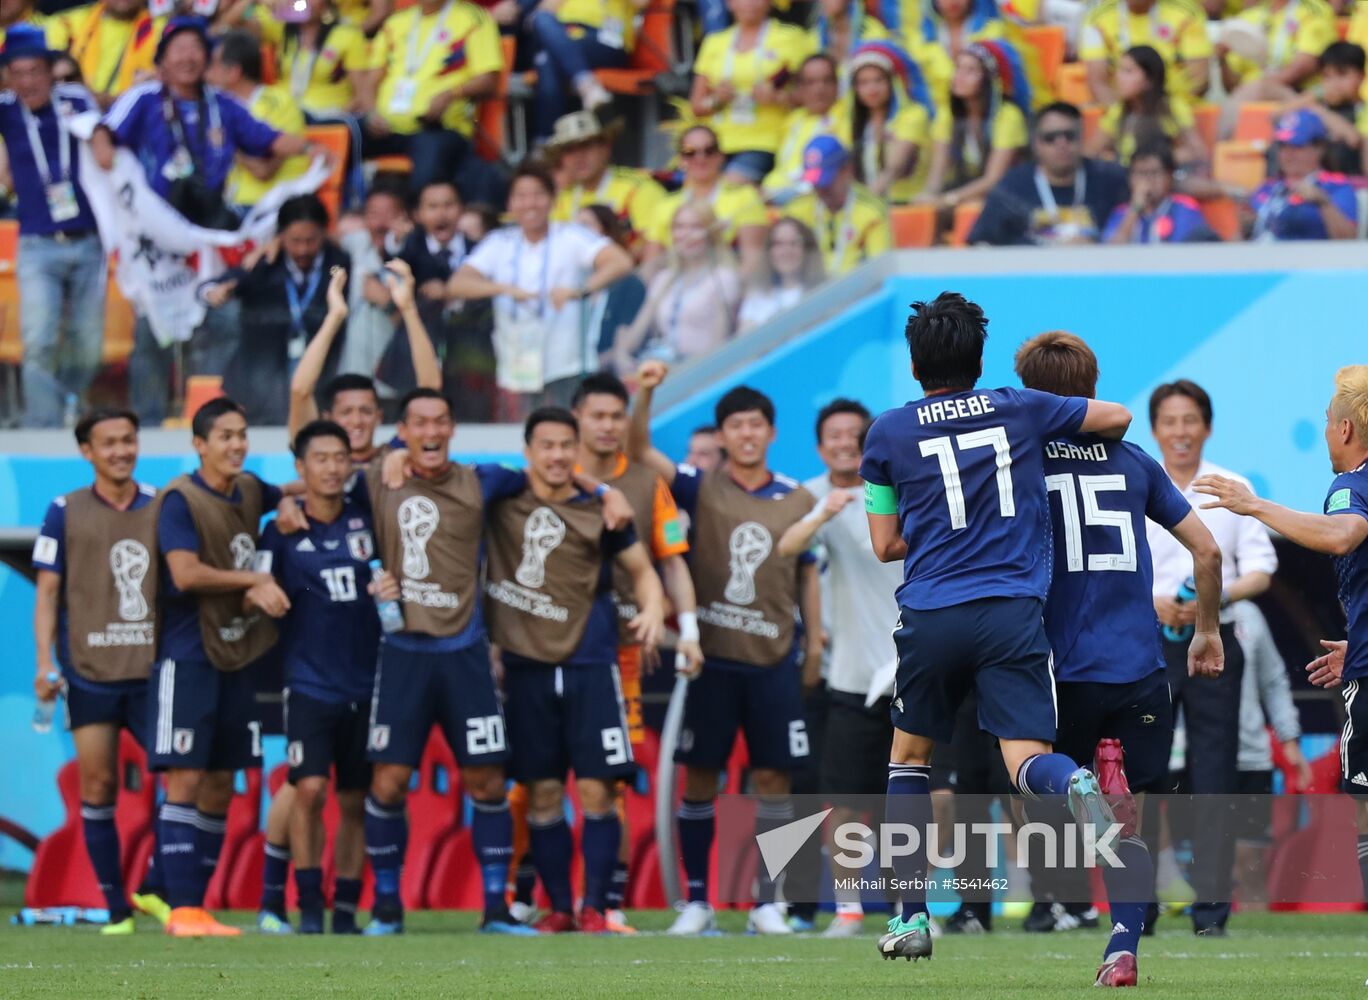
(1176,29)
(425,55)
(318,80)
(613,20)
(735,205)
(1303,27)
(744,124)
(1007,131)
(275,107)
(800,128)
(911,124)
(111,52)
(632,194)
(1173,124)
(848,238)
(55,28)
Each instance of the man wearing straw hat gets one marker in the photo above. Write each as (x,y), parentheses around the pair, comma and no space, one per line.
(583,147)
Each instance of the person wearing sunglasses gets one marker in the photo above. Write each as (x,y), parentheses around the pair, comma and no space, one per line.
(1061,198)
(738,207)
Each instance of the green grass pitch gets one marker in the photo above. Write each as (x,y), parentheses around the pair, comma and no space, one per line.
(1274,956)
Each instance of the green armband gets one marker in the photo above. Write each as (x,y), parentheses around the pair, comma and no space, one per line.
(880,499)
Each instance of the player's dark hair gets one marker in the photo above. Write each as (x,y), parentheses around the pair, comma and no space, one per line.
(743,399)
(207,415)
(1343,55)
(537,171)
(318,429)
(243,50)
(549,415)
(1060,108)
(350,382)
(87,423)
(302,208)
(439,182)
(945,338)
(422,392)
(840,405)
(601,384)
(1182,387)
(1058,362)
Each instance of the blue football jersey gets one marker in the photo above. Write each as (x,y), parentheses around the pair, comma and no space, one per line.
(1349,495)
(1100,614)
(966,469)
(330,638)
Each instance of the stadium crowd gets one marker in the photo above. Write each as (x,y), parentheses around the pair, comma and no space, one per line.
(805,138)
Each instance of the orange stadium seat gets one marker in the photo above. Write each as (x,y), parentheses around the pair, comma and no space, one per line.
(270,66)
(1072,85)
(1223,216)
(1342,28)
(119,323)
(491,114)
(913,225)
(1207,121)
(1244,164)
(336,139)
(1049,42)
(1092,122)
(1255,123)
(965,217)
(650,57)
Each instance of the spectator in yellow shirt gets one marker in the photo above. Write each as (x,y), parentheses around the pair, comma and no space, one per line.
(583,149)
(842,25)
(979,136)
(14,12)
(113,43)
(850,223)
(818,113)
(738,207)
(435,62)
(1272,50)
(235,68)
(575,38)
(1145,114)
(324,62)
(889,123)
(740,86)
(1176,29)
(368,15)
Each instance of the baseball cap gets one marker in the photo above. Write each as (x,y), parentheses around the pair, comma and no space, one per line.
(822,160)
(25,41)
(1300,128)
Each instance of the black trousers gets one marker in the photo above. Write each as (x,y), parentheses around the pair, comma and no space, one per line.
(1211,719)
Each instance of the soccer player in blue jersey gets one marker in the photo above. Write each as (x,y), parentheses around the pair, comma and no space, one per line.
(1340,531)
(747,595)
(328,645)
(954,487)
(1100,620)
(100,622)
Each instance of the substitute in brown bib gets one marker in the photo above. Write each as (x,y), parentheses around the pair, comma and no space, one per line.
(95,611)
(550,608)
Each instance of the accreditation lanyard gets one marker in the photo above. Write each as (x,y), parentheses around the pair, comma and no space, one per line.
(299,333)
(1123,17)
(301,68)
(213,134)
(415,60)
(840,230)
(1047,198)
(40,159)
(745,114)
(600,195)
(544,292)
(1280,40)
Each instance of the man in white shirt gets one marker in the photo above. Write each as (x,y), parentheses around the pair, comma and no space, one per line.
(540,274)
(1180,419)
(858,590)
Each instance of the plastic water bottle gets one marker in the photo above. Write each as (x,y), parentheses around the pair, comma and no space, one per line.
(71,411)
(44,710)
(1187,593)
(391,615)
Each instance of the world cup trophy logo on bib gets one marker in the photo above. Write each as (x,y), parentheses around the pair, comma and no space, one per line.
(418,519)
(129,560)
(541,534)
(243,550)
(750,546)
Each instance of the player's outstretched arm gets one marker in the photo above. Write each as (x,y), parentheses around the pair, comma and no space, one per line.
(649,595)
(639,447)
(674,572)
(1333,534)
(798,538)
(1108,420)
(303,407)
(1206,658)
(427,370)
